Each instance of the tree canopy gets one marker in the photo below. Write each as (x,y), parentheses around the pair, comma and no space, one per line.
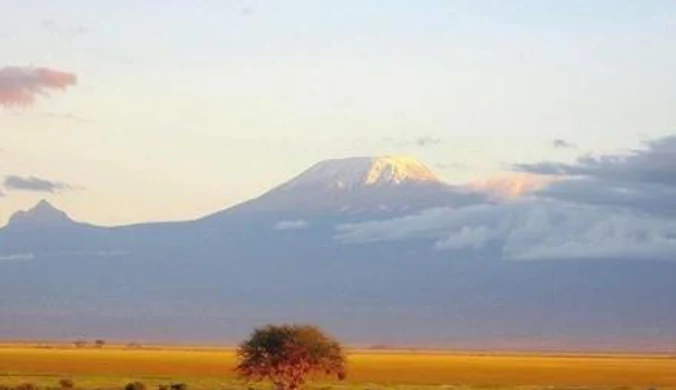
(287,354)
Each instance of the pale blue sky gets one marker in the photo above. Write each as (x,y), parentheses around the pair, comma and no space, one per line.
(183,108)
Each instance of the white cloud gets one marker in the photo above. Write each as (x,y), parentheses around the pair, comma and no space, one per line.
(532,230)
(16,257)
(467,238)
(291,225)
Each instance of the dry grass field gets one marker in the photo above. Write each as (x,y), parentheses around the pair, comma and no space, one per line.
(111,367)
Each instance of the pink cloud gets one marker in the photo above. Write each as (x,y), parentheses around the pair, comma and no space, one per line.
(20,86)
(511,185)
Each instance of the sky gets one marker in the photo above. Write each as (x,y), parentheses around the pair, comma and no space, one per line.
(133,111)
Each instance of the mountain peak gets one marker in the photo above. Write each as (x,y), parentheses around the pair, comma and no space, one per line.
(355,172)
(359,187)
(397,170)
(43,214)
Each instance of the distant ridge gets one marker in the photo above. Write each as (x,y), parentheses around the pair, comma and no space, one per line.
(43,214)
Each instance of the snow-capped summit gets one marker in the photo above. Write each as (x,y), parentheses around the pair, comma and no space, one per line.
(42,214)
(350,173)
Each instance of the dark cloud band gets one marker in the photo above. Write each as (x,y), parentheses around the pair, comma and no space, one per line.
(644,179)
(34,184)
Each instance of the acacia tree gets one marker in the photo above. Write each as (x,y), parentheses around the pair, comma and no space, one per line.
(287,354)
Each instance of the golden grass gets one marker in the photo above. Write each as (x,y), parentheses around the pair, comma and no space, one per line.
(213,366)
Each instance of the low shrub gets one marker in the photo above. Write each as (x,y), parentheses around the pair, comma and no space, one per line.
(26,386)
(135,386)
(66,383)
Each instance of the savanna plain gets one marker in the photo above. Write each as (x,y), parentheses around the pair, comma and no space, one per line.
(203,368)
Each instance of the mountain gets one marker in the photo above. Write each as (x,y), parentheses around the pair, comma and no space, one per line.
(279,258)
(360,187)
(46,229)
(43,215)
